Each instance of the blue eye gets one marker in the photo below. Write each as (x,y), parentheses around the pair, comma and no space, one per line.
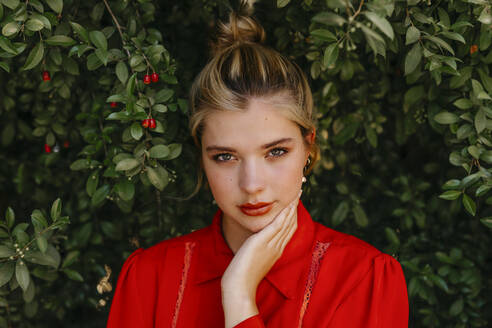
(227,157)
(277,152)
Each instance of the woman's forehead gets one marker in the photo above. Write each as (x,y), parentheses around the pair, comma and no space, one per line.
(259,124)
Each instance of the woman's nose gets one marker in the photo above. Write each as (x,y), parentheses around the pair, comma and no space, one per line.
(251,177)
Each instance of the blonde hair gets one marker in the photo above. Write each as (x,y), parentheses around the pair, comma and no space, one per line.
(242,68)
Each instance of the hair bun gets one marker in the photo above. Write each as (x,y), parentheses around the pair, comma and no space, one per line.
(241,28)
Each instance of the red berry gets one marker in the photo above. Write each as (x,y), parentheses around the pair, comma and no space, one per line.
(473,49)
(145,123)
(146,79)
(113,104)
(46,76)
(47,148)
(152,123)
(155,77)
(66,143)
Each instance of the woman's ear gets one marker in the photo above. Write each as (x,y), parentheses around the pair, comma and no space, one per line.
(311,137)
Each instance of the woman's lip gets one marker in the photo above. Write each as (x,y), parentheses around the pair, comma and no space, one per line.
(254,206)
(256,210)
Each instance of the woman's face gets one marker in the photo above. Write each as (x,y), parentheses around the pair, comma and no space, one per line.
(250,157)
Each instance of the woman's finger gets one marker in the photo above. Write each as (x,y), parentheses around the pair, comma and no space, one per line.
(277,241)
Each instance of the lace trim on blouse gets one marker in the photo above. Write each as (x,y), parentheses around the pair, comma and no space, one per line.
(189,246)
(319,251)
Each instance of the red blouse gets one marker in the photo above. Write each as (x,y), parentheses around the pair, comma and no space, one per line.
(324,278)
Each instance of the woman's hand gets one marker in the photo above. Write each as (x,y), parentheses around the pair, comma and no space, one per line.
(252,262)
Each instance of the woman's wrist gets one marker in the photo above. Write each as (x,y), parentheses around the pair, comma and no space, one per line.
(238,306)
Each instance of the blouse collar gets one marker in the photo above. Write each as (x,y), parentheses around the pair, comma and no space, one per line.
(215,255)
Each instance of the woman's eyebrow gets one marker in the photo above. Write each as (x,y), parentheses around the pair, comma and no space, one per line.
(265,146)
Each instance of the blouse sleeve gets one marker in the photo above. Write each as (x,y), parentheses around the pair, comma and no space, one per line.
(125,308)
(251,322)
(379,300)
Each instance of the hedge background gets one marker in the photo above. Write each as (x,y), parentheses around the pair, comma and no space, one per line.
(405,118)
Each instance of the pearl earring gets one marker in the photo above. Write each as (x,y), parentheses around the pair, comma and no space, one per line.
(304,179)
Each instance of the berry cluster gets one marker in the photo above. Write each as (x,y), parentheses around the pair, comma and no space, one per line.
(147,78)
(149,123)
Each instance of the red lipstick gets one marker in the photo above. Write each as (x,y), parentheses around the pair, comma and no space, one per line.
(256,209)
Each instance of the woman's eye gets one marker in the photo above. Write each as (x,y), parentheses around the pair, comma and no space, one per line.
(222,157)
(277,152)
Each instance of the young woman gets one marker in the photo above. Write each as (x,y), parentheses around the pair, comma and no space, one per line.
(263,262)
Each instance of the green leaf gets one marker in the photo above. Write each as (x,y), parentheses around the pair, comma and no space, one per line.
(91,184)
(127,164)
(456,308)
(463,103)
(392,236)
(282,3)
(81,31)
(480,121)
(125,190)
(446,118)
(159,151)
(413,58)
(60,40)
(70,258)
(56,5)
(80,164)
(163,95)
(329,18)
(450,194)
(6,45)
(160,108)
(175,150)
(331,55)
(158,177)
(360,216)
(5,67)
(6,272)
(130,85)
(136,131)
(10,217)
(381,23)
(440,42)
(6,251)
(100,195)
(93,62)
(340,213)
(34,25)
(474,151)
(38,220)
(72,274)
(451,184)
(485,221)
(46,22)
(98,39)
(469,204)
(103,56)
(11,28)
(413,34)
(454,36)
(22,274)
(42,243)
(122,72)
(323,35)
(12,4)
(56,209)
(487,156)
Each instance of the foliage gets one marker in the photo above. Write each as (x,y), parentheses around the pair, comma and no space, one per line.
(402,90)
